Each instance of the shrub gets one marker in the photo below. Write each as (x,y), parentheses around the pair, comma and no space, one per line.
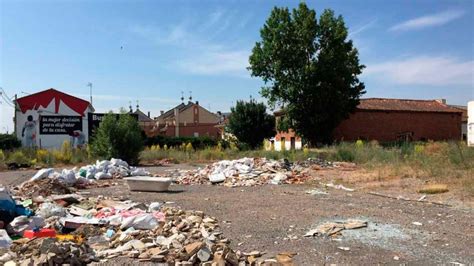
(19,159)
(345,154)
(2,156)
(119,138)
(9,142)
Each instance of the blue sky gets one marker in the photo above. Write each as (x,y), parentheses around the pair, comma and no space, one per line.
(150,51)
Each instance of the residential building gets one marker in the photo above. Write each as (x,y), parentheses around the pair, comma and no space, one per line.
(47,118)
(284,140)
(190,120)
(388,120)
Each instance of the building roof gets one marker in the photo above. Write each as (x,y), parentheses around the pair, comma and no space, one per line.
(181,107)
(142,117)
(43,99)
(463,109)
(385,104)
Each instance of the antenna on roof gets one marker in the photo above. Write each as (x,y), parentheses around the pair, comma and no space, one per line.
(89,84)
(190,96)
(182,96)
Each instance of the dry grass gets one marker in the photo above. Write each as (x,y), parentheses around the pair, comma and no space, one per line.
(434,189)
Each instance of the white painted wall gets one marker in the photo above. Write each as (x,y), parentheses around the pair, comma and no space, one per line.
(298,145)
(49,141)
(470,123)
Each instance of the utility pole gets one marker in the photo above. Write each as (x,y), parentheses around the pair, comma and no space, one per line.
(89,84)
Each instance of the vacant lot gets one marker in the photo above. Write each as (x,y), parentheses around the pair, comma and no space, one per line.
(274,218)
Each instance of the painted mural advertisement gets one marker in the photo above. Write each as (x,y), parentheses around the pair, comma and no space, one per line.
(59,125)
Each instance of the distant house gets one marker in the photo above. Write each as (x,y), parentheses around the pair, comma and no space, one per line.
(147,124)
(464,119)
(190,120)
(388,120)
(284,140)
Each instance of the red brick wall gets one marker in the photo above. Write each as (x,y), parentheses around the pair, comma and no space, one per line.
(287,135)
(386,126)
(209,130)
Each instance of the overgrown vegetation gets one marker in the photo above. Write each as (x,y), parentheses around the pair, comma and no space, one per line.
(196,142)
(9,142)
(118,138)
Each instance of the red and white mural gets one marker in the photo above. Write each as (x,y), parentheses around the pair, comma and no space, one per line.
(47,118)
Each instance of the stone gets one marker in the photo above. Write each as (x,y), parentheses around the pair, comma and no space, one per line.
(204,254)
(157,258)
(193,248)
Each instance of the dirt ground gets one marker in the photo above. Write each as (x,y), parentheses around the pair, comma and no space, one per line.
(274,218)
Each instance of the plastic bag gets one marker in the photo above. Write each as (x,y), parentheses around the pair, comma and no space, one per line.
(68,177)
(5,240)
(102,175)
(144,221)
(43,173)
(48,209)
(22,223)
(139,172)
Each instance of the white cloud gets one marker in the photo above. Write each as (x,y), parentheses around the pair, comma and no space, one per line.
(437,19)
(217,62)
(198,49)
(425,70)
(364,27)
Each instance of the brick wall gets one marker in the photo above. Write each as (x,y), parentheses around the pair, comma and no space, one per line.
(386,126)
(209,130)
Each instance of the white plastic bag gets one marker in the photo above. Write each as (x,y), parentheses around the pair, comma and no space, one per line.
(68,177)
(5,240)
(145,221)
(102,175)
(49,209)
(41,174)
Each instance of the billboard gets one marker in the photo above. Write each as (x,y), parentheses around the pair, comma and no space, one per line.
(59,124)
(94,119)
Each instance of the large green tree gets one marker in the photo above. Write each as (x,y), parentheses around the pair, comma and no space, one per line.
(118,136)
(310,68)
(250,123)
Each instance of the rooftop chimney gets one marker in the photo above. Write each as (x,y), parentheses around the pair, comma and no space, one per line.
(197,102)
(443,101)
(162,112)
(148,114)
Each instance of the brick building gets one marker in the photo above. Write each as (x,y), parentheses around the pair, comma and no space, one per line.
(387,120)
(400,119)
(188,120)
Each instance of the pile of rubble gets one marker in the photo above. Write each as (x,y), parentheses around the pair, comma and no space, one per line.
(71,229)
(251,172)
(48,181)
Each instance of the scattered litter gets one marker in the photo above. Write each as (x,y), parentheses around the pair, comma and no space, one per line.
(316,192)
(344,248)
(417,223)
(339,187)
(331,228)
(5,240)
(396,258)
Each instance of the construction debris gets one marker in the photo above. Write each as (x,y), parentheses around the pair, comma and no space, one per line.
(47,181)
(71,229)
(332,228)
(251,172)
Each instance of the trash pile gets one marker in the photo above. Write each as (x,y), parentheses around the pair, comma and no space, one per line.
(72,229)
(48,181)
(248,172)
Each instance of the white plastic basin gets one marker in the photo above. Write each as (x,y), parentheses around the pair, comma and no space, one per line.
(148,183)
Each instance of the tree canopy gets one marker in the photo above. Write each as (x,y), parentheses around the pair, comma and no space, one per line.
(250,123)
(310,69)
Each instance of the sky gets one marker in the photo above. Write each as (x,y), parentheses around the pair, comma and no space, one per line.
(153,51)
